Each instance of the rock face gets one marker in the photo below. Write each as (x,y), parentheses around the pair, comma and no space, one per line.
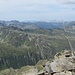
(63,64)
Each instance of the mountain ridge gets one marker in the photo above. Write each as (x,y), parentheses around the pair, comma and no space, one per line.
(34,25)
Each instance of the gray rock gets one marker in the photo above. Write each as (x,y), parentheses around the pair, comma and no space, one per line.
(64,73)
(63,64)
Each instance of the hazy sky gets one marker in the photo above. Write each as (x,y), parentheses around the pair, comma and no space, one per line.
(36,10)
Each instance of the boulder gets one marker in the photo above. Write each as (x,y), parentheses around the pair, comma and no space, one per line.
(63,64)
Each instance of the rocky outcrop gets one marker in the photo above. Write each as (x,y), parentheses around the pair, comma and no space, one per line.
(63,64)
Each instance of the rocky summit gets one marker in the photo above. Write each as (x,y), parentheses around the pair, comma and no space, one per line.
(63,64)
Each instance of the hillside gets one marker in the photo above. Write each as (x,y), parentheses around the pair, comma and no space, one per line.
(26,47)
(20,47)
(63,63)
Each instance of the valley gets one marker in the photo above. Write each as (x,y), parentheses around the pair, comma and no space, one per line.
(21,47)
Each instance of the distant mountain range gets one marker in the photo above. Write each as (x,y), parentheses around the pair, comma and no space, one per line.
(33,25)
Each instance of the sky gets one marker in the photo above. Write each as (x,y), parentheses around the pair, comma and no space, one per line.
(37,10)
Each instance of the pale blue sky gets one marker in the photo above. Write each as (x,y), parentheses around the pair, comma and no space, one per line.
(37,10)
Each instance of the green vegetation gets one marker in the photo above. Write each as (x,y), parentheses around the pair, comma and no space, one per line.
(40,65)
(26,47)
